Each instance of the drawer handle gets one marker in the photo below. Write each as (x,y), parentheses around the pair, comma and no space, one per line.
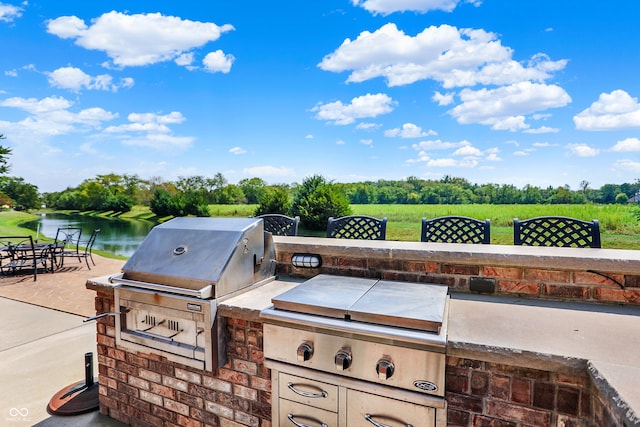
(369,418)
(292,387)
(291,418)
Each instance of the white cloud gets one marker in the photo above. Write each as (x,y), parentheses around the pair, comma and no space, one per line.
(543,144)
(468,150)
(409,130)
(367,126)
(185,59)
(542,129)
(468,155)
(75,79)
(438,145)
(218,62)
(629,144)
(582,150)
(9,12)
(454,57)
(628,166)
(504,108)
(148,122)
(452,163)
(51,116)
(265,171)
(237,150)
(366,106)
(308,136)
(159,141)
(139,39)
(443,99)
(612,111)
(151,130)
(368,142)
(386,7)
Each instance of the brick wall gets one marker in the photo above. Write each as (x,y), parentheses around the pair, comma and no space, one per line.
(145,390)
(491,394)
(518,280)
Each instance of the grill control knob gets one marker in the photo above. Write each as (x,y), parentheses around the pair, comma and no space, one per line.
(385,369)
(343,359)
(304,352)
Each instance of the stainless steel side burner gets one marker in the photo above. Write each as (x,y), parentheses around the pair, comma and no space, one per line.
(374,346)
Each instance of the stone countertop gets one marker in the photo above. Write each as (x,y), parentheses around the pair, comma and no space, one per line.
(548,335)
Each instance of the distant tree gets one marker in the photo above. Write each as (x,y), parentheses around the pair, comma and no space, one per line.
(118,203)
(622,198)
(228,195)
(318,199)
(195,203)
(163,203)
(24,195)
(274,200)
(252,189)
(562,195)
(608,193)
(584,187)
(4,153)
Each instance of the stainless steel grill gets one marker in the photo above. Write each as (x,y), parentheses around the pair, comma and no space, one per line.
(376,347)
(167,293)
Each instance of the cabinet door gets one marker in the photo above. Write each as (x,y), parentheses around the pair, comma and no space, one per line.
(368,410)
(296,414)
(309,392)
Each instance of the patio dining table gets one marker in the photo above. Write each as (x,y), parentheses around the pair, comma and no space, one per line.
(16,256)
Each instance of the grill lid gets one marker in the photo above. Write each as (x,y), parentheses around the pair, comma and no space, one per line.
(212,256)
(384,302)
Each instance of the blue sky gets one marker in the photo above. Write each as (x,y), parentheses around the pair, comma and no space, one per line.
(495,91)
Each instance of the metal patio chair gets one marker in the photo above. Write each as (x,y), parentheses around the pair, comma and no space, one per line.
(280,225)
(456,229)
(21,253)
(357,227)
(556,231)
(66,244)
(88,248)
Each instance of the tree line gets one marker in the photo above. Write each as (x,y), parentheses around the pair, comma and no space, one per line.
(191,195)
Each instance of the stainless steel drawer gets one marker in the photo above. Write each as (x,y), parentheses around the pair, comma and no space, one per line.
(297,414)
(309,392)
(365,409)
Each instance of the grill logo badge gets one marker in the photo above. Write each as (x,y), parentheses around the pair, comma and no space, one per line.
(425,385)
(194,307)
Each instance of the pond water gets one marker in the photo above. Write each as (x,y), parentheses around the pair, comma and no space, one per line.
(117,236)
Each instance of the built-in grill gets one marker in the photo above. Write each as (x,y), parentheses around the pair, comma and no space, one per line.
(350,351)
(166,296)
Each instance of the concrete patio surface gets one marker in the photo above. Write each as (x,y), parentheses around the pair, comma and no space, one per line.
(44,340)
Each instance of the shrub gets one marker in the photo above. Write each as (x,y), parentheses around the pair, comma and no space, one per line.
(273,200)
(316,200)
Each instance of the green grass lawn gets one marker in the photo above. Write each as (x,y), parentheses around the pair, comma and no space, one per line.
(619,224)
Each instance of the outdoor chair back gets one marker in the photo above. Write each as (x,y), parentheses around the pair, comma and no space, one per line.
(67,244)
(280,225)
(556,231)
(357,227)
(88,248)
(456,229)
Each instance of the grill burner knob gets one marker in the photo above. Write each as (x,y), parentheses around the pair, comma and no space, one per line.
(343,359)
(304,352)
(385,369)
